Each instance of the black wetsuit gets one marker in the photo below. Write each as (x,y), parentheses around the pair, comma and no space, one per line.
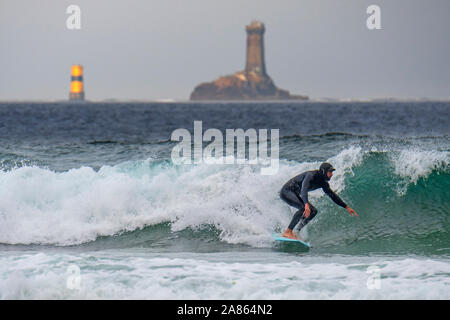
(295,193)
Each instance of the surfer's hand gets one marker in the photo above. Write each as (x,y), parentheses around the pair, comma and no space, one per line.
(351,211)
(307,211)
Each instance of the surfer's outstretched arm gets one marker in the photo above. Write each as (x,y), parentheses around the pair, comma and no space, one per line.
(338,200)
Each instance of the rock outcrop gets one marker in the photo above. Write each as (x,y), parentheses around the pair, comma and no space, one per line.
(253,83)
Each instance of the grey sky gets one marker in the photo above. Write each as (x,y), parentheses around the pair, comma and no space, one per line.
(146,50)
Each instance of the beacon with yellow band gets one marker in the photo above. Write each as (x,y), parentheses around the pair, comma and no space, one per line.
(76,84)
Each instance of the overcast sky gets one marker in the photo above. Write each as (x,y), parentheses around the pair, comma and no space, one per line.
(161,49)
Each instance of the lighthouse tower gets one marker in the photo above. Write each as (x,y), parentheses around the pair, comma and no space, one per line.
(255,48)
(76,84)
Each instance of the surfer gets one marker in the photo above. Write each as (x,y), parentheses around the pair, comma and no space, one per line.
(295,193)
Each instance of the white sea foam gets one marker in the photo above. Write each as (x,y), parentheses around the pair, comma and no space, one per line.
(411,165)
(112,275)
(415,164)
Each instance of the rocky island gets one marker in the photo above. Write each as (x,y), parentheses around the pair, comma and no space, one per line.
(253,83)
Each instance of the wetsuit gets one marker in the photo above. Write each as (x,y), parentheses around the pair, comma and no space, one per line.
(295,193)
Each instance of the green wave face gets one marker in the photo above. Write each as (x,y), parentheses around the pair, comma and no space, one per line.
(396,214)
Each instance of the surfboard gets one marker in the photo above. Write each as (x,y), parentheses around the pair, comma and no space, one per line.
(279,237)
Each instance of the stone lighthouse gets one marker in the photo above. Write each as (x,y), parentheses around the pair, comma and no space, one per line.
(255,48)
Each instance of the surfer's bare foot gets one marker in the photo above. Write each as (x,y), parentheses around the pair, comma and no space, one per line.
(289,234)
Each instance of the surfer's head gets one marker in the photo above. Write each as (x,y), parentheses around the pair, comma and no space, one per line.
(326,170)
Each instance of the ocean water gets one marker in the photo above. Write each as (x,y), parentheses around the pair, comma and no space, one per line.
(93,207)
